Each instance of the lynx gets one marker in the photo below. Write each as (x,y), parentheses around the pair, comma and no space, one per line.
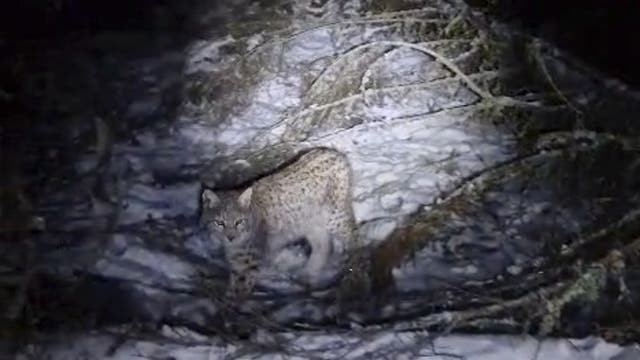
(310,199)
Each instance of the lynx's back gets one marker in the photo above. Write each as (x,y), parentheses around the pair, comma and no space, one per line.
(306,193)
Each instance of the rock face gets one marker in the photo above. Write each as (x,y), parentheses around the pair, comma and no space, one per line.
(478,175)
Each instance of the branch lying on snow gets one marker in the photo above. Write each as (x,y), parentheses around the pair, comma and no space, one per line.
(547,302)
(376,19)
(412,236)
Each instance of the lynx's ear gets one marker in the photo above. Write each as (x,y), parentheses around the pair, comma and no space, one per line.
(245,198)
(210,199)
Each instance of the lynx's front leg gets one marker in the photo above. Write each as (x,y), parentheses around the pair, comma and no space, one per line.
(243,273)
(240,285)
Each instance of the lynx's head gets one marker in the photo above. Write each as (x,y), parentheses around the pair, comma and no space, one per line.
(229,217)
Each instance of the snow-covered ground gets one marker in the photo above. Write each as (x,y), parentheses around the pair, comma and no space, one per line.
(370,345)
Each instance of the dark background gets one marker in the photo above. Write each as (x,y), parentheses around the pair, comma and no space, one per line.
(602,33)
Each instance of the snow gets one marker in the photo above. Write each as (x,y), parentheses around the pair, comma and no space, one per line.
(405,159)
(383,344)
(132,261)
(152,202)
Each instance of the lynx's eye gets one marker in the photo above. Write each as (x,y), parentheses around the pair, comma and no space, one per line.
(239,222)
(218,223)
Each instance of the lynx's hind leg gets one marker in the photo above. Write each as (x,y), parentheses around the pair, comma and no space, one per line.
(343,230)
(320,243)
(341,222)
